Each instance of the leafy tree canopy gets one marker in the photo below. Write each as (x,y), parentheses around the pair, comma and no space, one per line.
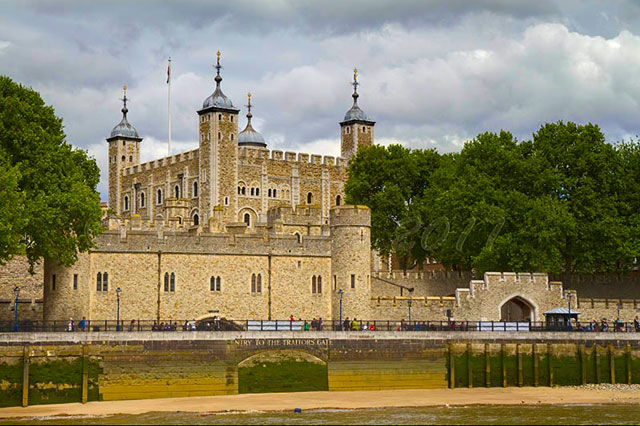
(49,206)
(565,201)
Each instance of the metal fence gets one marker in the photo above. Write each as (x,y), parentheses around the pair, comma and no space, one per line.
(222,324)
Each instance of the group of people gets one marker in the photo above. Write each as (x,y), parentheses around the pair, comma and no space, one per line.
(603,325)
(164,326)
(71,325)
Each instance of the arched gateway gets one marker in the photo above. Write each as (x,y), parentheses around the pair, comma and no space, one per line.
(517,308)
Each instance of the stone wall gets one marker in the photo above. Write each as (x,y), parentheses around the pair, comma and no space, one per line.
(75,367)
(16,272)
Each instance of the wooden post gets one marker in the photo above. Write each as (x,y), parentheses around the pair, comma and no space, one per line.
(504,366)
(25,376)
(85,373)
(519,360)
(534,355)
(550,363)
(469,369)
(452,369)
(487,366)
(628,356)
(583,365)
(612,366)
(597,357)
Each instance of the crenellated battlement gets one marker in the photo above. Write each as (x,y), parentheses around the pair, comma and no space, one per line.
(161,162)
(248,152)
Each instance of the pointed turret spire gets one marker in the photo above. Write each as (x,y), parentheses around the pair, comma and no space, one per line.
(249,136)
(355,113)
(124,128)
(218,99)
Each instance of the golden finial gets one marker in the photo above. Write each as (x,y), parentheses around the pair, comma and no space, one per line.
(355,73)
(124,87)
(218,54)
(249,96)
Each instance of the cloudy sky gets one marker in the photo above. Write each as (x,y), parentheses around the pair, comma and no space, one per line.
(432,73)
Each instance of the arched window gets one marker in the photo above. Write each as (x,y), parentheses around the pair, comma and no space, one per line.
(319,288)
(313,284)
(231,133)
(275,193)
(105,282)
(219,135)
(126,202)
(131,158)
(244,191)
(212,284)
(247,219)
(159,196)
(253,192)
(166,281)
(195,189)
(173,282)
(232,122)
(142,199)
(99,282)
(196,220)
(309,198)
(298,238)
(124,158)
(269,192)
(259,283)
(257,192)
(253,283)
(218,283)
(338,200)
(364,129)
(176,191)
(239,190)
(219,116)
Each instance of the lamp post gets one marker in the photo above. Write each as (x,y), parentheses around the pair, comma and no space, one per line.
(340,293)
(410,300)
(16,291)
(569,300)
(118,291)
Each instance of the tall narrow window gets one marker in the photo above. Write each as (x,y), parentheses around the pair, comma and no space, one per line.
(159,196)
(244,190)
(53,282)
(353,281)
(195,189)
(176,191)
(313,284)
(247,219)
(126,202)
(166,281)
(196,220)
(173,282)
(142,199)
(257,192)
(319,288)
(212,284)
(253,192)
(269,192)
(105,282)
(338,200)
(275,193)
(253,283)
(99,282)
(298,238)
(218,283)
(309,198)
(75,281)
(259,284)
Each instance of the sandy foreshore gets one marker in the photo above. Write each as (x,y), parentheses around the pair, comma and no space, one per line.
(341,400)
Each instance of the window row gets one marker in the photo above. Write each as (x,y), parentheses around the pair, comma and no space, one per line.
(316,284)
(253,191)
(169,282)
(176,193)
(102,281)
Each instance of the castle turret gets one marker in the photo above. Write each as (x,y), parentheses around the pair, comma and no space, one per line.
(351,261)
(218,154)
(249,136)
(124,151)
(356,128)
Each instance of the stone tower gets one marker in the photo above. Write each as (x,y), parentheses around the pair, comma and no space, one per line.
(124,151)
(356,128)
(218,129)
(351,261)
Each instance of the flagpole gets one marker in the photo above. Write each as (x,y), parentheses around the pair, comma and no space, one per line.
(169,103)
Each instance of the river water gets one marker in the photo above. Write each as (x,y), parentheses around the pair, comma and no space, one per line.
(477,414)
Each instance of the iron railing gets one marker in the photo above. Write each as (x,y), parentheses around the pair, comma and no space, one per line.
(306,325)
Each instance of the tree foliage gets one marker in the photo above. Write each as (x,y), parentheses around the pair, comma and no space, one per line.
(563,202)
(49,206)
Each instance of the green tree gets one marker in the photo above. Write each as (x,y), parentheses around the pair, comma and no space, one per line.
(50,193)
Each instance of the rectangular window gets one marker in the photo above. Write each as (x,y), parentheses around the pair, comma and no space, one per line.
(335,282)
(53,282)
(353,281)
(75,281)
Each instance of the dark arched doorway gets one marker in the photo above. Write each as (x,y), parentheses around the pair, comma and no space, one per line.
(516,309)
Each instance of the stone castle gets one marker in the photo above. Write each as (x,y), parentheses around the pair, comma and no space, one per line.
(251,233)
